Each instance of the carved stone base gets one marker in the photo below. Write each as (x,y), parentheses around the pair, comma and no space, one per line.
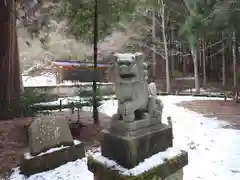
(130,147)
(171,169)
(123,128)
(49,161)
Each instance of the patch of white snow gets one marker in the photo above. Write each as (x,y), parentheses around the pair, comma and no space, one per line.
(202,91)
(151,162)
(49,79)
(76,170)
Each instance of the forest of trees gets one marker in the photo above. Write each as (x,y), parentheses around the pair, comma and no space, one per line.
(200,36)
(205,31)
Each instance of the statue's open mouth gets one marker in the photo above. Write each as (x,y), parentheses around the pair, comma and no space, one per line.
(127,76)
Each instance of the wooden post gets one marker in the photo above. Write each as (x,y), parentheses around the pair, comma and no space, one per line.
(60,105)
(78,115)
(72,107)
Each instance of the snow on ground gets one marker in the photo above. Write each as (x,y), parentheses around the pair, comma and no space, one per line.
(49,79)
(186,78)
(212,149)
(68,100)
(202,91)
(214,152)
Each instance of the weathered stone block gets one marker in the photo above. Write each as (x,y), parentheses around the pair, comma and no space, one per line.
(125,128)
(171,169)
(130,149)
(46,161)
(48,133)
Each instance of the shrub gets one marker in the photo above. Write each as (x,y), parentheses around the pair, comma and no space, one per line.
(87,94)
(29,98)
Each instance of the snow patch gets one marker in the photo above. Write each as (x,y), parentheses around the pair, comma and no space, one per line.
(72,170)
(185,78)
(50,80)
(149,163)
(29,156)
(202,91)
(109,107)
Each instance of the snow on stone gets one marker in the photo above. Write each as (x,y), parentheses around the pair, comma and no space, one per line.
(76,170)
(29,156)
(148,163)
(76,142)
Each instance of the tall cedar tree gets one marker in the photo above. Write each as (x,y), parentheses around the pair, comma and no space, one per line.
(9,62)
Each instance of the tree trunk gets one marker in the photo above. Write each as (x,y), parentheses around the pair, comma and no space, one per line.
(195,64)
(234,59)
(168,87)
(171,48)
(21,83)
(204,62)
(154,47)
(9,62)
(184,60)
(223,65)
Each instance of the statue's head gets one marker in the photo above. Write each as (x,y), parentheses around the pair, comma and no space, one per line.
(130,66)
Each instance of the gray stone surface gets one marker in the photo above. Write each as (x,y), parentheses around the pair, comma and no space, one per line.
(49,161)
(178,175)
(136,99)
(136,128)
(48,133)
(136,132)
(132,147)
(171,169)
(132,126)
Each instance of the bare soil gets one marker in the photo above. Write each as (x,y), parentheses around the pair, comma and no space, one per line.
(227,111)
(14,138)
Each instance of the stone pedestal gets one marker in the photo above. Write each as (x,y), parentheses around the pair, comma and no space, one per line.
(49,160)
(130,143)
(170,169)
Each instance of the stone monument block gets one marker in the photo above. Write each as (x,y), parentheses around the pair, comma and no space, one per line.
(48,133)
(170,169)
(137,132)
(49,160)
(131,147)
(51,145)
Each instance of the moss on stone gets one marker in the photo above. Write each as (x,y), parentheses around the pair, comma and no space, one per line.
(133,150)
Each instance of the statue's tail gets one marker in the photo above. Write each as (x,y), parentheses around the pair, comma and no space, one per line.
(152,89)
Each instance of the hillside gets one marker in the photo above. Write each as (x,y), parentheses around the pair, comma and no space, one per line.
(60,46)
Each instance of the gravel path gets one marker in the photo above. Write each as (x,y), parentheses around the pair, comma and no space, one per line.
(227,111)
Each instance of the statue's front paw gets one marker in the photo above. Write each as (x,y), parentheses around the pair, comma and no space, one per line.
(116,117)
(128,108)
(129,117)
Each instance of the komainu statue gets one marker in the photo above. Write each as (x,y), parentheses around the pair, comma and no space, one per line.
(137,99)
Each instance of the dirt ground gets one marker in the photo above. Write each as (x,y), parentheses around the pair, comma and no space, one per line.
(14,139)
(227,111)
